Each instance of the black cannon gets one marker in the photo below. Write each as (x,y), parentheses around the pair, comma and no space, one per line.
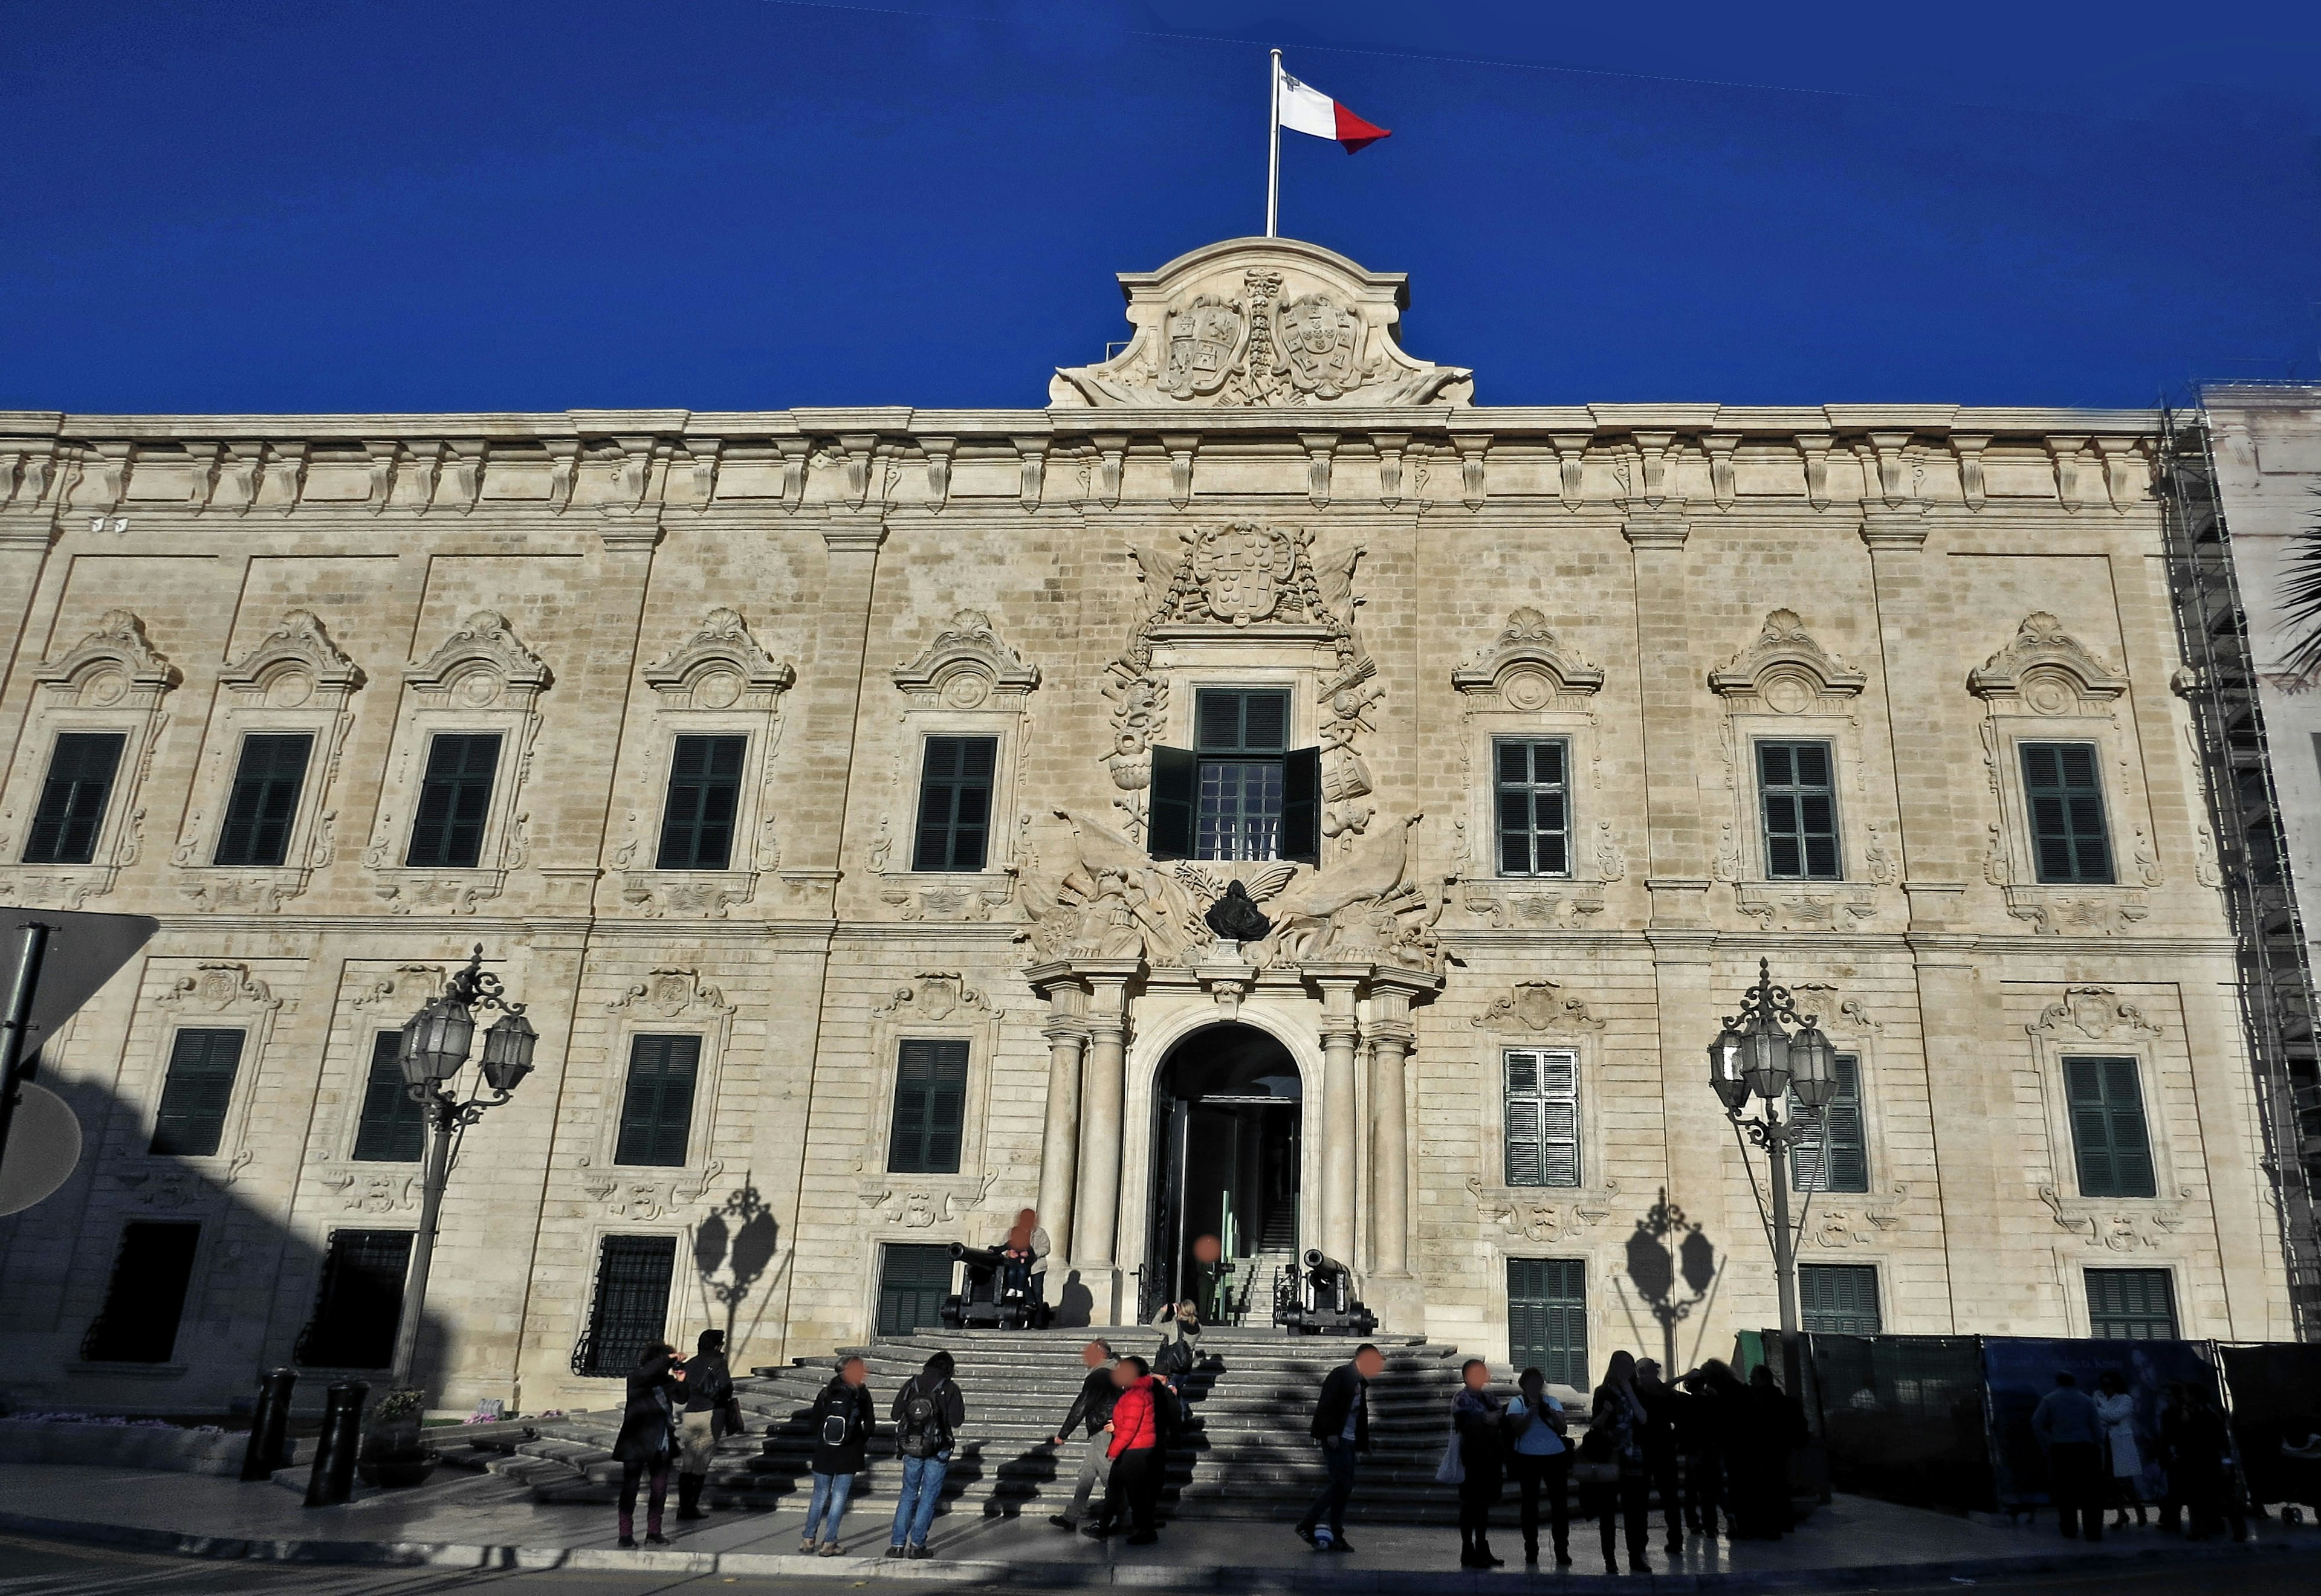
(999,1292)
(1318,1299)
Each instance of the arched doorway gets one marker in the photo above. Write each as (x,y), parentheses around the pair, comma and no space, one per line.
(1228,1116)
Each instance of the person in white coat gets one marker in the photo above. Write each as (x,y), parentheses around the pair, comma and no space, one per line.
(2116,1409)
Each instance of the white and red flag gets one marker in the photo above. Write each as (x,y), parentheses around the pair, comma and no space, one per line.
(1305,109)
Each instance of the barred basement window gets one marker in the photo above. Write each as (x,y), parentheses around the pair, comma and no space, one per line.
(196,1092)
(2130,1305)
(264,802)
(1535,806)
(455,800)
(73,796)
(930,1108)
(704,794)
(2108,1128)
(1799,800)
(955,779)
(1547,1319)
(146,1296)
(393,1129)
(1543,1118)
(1838,1160)
(913,1279)
(657,1110)
(630,1304)
(358,1304)
(1839,1299)
(2064,790)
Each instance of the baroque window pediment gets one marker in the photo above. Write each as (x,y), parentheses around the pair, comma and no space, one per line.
(115,667)
(722,667)
(479,664)
(1787,669)
(295,666)
(965,667)
(1527,667)
(2047,671)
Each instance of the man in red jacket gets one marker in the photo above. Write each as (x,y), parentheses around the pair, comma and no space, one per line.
(1141,1419)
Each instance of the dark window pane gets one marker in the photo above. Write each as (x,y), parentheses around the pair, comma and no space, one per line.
(455,800)
(630,1305)
(2111,1142)
(1239,802)
(71,810)
(360,1301)
(955,803)
(196,1092)
(913,1279)
(1799,804)
(1547,1319)
(704,794)
(2130,1305)
(930,1108)
(394,1129)
(1533,807)
(2063,791)
(1839,1299)
(146,1297)
(1541,1124)
(264,802)
(656,1109)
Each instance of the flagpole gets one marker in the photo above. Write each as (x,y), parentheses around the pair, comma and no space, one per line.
(1273,153)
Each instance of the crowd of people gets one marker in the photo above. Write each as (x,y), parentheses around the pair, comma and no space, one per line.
(2096,1451)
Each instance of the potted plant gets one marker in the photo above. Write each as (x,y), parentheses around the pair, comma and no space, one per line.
(393,1456)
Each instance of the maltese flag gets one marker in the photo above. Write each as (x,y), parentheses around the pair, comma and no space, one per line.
(1308,110)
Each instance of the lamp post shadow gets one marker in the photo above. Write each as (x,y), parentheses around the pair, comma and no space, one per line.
(1673,1266)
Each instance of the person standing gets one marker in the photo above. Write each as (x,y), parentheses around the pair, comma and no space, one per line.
(1092,1409)
(2201,1455)
(1696,1439)
(1142,1410)
(647,1439)
(1618,1418)
(711,1414)
(841,1418)
(1477,1418)
(1179,1352)
(2066,1424)
(1660,1402)
(927,1415)
(1342,1423)
(1539,1456)
(2115,1410)
(1780,1420)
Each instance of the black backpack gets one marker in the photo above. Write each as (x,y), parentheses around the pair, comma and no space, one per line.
(921,1433)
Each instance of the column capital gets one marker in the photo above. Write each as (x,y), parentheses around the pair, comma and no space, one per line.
(858,531)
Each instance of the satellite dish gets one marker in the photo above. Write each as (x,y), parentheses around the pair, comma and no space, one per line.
(43,1146)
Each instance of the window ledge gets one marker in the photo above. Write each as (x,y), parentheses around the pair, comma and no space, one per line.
(83,1370)
(947,894)
(2094,910)
(1807,905)
(2118,1224)
(710,894)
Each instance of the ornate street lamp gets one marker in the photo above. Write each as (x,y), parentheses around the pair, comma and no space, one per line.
(1757,1054)
(436,1042)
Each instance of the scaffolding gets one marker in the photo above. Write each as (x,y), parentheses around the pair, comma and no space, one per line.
(2275,973)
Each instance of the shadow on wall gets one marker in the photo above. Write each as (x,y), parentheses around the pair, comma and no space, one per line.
(1674,1267)
(741,1239)
(159,1279)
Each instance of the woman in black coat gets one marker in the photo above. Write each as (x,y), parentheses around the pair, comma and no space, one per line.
(648,1438)
(841,1418)
(1477,1417)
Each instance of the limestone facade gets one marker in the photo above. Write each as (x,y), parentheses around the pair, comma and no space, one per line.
(1262,489)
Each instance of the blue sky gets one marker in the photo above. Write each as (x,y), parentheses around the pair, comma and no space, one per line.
(746,203)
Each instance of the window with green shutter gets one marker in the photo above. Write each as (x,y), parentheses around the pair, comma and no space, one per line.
(704,794)
(2063,789)
(1799,796)
(913,1279)
(1837,1160)
(656,1109)
(2108,1128)
(196,1092)
(1532,792)
(2130,1305)
(264,803)
(1547,1319)
(1543,1118)
(394,1127)
(955,777)
(73,795)
(930,1108)
(1241,792)
(1839,1299)
(455,801)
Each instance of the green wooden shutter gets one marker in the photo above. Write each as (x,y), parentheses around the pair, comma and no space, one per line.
(73,796)
(1542,1121)
(2109,1132)
(1838,1160)
(1301,805)
(2130,1305)
(1547,1319)
(1168,815)
(196,1092)
(393,1129)
(264,802)
(1839,1299)
(930,1108)
(656,1109)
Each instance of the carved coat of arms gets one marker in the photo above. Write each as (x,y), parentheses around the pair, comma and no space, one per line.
(1242,568)
(1318,341)
(1204,340)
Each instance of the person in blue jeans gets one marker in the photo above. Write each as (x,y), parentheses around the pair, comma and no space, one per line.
(927,1414)
(841,1419)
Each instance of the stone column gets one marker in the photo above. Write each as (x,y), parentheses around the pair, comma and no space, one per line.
(1095,1211)
(1060,1146)
(1340,1127)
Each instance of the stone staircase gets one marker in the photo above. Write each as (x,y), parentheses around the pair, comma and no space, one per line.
(1245,1454)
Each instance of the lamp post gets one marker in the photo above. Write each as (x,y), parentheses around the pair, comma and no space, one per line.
(435,1044)
(1759,1055)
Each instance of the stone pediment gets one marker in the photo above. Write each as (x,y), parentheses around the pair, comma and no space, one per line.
(1261,323)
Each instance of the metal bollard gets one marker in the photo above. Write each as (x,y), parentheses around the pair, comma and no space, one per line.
(269,1448)
(333,1478)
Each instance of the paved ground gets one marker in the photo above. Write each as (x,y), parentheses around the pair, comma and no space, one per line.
(477,1531)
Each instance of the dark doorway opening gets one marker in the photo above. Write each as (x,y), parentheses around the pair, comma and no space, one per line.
(1227,1109)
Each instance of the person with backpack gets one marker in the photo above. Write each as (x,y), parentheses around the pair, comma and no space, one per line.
(1539,1459)
(1143,1415)
(927,1414)
(1179,1352)
(710,1414)
(1093,1409)
(842,1418)
(648,1436)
